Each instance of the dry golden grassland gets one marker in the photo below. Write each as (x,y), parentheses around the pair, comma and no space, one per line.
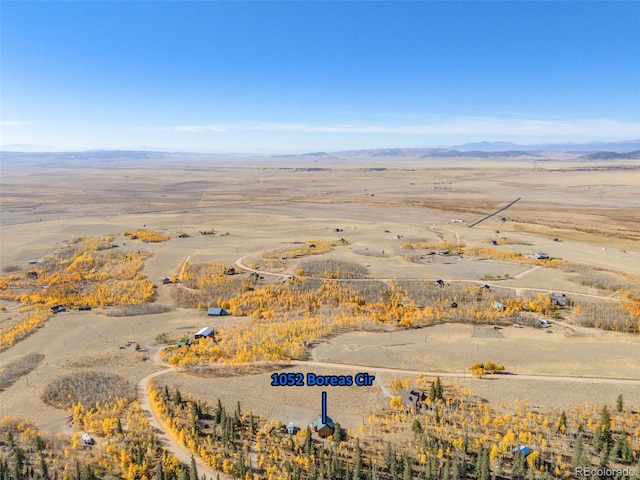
(346,258)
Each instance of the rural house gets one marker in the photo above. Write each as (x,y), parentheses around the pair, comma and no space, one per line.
(325,429)
(216,312)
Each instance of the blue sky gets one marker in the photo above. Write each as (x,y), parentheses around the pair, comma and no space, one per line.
(304,76)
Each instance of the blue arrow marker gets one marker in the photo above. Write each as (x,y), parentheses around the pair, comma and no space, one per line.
(324,408)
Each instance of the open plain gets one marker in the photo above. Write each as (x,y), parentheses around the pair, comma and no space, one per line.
(581,212)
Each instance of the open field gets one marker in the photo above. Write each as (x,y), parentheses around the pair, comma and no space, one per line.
(578,212)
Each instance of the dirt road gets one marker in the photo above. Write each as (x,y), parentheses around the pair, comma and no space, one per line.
(162,433)
(401,371)
(518,290)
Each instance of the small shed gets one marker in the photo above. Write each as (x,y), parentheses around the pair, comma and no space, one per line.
(204,332)
(498,305)
(32,275)
(439,283)
(323,429)
(559,300)
(166,281)
(216,312)
(524,450)
(58,309)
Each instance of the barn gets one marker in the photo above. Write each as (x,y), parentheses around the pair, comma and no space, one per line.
(216,312)
(204,333)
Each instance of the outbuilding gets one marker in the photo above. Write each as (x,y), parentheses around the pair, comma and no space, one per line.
(216,312)
(205,332)
(559,300)
(523,449)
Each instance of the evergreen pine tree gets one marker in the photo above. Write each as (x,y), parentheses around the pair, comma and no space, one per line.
(357,465)
(432,392)
(89,473)
(578,458)
(406,467)
(337,434)
(374,472)
(416,426)
(602,436)
(308,443)
(444,472)
(620,404)
(439,389)
(519,464)
(218,413)
(160,471)
(483,472)
(252,423)
(241,466)
(193,469)
(561,425)
(393,470)
(177,397)
(455,471)
(427,470)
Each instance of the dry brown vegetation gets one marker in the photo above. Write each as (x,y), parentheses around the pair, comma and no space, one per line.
(601,278)
(135,310)
(16,369)
(327,268)
(87,388)
(275,320)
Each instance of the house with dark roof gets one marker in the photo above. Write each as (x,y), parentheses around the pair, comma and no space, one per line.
(559,300)
(58,309)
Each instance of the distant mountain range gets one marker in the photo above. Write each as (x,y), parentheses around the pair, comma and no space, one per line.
(629,150)
(620,147)
(635,155)
(101,155)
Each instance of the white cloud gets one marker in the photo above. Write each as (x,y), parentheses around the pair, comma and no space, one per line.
(488,126)
(10,123)
(199,128)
